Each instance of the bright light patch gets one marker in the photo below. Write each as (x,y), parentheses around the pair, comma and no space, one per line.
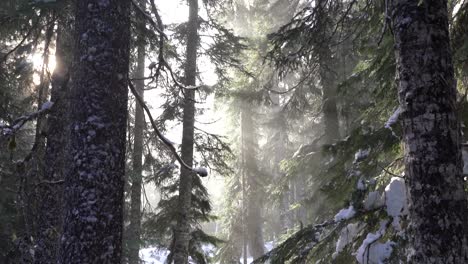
(37,60)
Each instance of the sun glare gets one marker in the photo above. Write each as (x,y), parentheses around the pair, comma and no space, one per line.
(37,61)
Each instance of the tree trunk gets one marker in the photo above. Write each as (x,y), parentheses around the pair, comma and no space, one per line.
(254,188)
(431,131)
(329,108)
(136,175)
(182,231)
(50,187)
(92,231)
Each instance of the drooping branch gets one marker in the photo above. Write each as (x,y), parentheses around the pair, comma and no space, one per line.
(33,27)
(149,18)
(17,124)
(202,172)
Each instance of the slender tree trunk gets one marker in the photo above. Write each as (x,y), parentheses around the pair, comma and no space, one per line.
(43,90)
(327,74)
(92,230)
(50,187)
(135,207)
(279,138)
(254,188)
(431,131)
(182,232)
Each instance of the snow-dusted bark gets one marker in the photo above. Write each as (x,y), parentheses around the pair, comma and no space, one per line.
(93,195)
(183,229)
(136,175)
(50,187)
(431,132)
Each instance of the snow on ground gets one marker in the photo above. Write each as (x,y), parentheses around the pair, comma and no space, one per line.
(155,255)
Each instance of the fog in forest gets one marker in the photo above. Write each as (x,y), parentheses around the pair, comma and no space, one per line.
(233,131)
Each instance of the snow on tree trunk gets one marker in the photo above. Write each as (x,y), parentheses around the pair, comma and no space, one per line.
(50,188)
(136,175)
(431,131)
(183,228)
(92,230)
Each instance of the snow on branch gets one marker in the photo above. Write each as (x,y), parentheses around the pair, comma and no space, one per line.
(202,172)
(393,119)
(345,214)
(17,124)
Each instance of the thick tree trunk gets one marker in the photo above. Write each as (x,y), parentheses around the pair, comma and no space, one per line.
(183,229)
(431,131)
(50,187)
(92,230)
(135,206)
(254,193)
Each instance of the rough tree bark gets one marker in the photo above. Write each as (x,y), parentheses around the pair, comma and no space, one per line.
(183,228)
(92,230)
(254,193)
(431,131)
(50,186)
(135,206)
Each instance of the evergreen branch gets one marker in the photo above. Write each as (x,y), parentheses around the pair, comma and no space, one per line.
(161,40)
(200,171)
(17,124)
(300,242)
(162,63)
(50,182)
(150,19)
(5,57)
(294,244)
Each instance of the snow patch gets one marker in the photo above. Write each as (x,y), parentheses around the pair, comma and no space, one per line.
(47,105)
(396,200)
(373,252)
(373,200)
(393,119)
(347,234)
(201,171)
(361,155)
(154,255)
(361,185)
(344,214)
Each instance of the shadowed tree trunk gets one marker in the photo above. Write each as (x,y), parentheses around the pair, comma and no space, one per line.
(253,182)
(431,131)
(182,231)
(135,207)
(50,187)
(327,75)
(92,230)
